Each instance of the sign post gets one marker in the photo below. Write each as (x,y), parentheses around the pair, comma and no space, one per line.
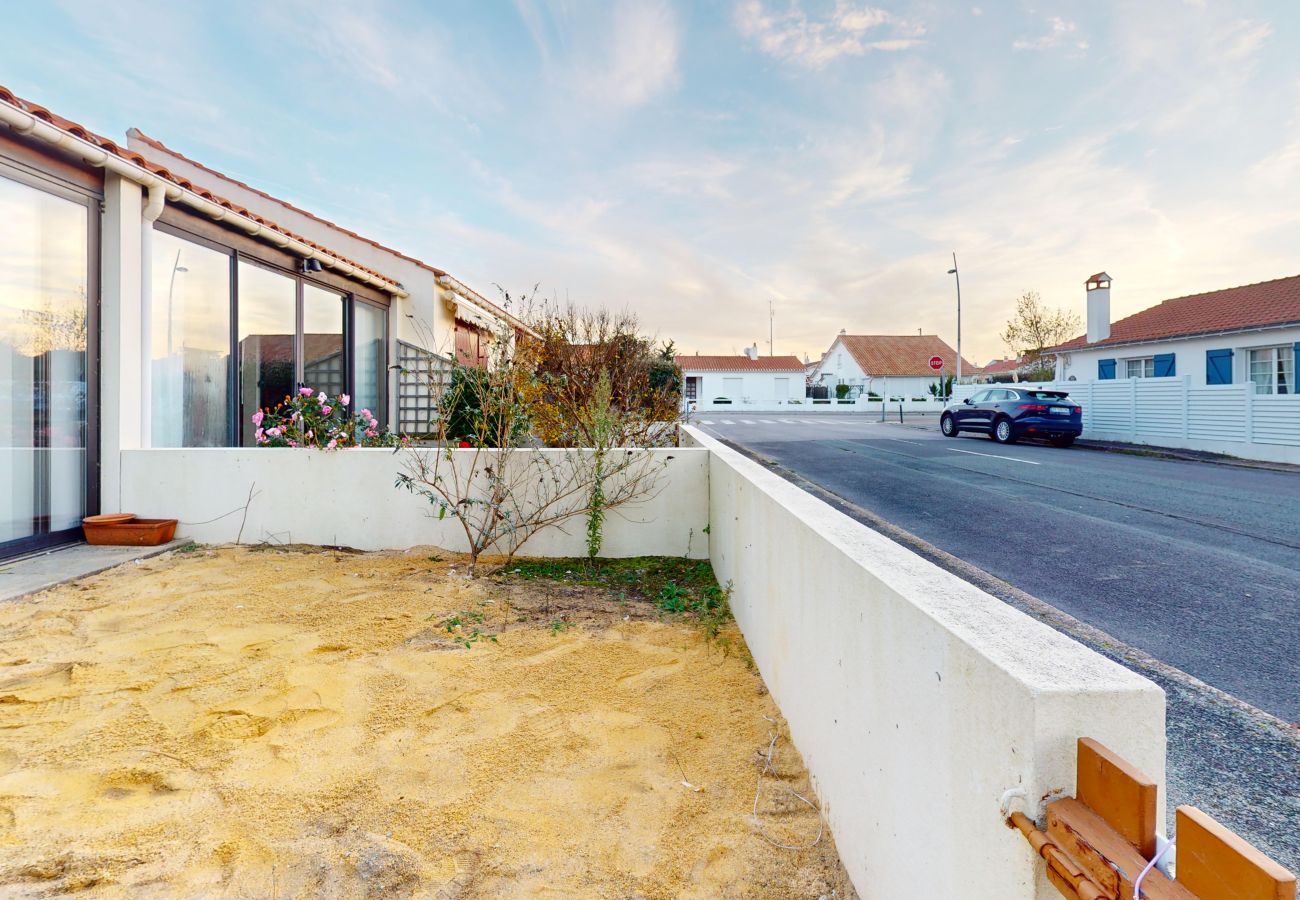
(936,364)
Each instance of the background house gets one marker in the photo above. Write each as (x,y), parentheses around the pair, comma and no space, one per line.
(737,380)
(1231,336)
(893,365)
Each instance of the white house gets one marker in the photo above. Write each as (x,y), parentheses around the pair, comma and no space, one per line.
(149,301)
(1232,336)
(894,366)
(725,381)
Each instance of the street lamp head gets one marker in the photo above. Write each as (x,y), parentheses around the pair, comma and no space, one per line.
(181,269)
(952,271)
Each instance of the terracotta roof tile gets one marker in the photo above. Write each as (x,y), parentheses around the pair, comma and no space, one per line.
(740,364)
(903,354)
(1260,305)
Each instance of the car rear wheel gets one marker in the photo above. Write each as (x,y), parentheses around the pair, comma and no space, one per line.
(948,426)
(1063,440)
(1002,432)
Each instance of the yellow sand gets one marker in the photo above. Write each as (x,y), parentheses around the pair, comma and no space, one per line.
(291,724)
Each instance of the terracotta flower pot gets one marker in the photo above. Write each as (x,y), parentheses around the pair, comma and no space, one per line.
(126,530)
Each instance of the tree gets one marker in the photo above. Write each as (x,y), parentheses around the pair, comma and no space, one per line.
(1035,327)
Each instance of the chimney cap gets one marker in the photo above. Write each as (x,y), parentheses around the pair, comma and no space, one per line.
(1101,279)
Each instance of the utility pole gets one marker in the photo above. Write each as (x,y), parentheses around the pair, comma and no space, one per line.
(771,316)
(953,271)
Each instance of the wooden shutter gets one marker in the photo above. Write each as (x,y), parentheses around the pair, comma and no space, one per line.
(1105,369)
(1218,367)
(1164,365)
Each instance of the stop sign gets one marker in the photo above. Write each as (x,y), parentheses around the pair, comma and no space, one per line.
(936,363)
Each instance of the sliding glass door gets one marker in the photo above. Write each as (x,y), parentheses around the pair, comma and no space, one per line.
(45,307)
(268,325)
(324,363)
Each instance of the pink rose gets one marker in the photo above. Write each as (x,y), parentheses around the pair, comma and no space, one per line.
(305,391)
(374,423)
(331,445)
(327,409)
(274,431)
(293,443)
(344,399)
(321,398)
(260,435)
(310,435)
(370,432)
(366,414)
(258,417)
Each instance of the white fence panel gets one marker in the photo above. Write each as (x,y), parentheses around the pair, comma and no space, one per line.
(1276,419)
(1112,408)
(1159,407)
(1217,413)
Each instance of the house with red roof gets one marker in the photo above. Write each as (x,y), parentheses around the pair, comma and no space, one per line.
(746,380)
(150,301)
(895,366)
(1247,334)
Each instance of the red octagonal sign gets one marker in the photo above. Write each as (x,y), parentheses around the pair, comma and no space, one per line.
(936,363)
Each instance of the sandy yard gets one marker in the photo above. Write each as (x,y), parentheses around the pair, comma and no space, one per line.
(239,722)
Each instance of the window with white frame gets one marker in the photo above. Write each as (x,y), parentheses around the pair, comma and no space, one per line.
(1272,369)
(1140,368)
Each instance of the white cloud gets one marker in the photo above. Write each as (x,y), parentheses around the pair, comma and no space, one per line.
(1059,32)
(794,36)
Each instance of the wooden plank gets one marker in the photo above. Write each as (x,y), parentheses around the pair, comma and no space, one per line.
(1118,792)
(1215,864)
(1104,854)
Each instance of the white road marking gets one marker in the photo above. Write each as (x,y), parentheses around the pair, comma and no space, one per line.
(705,422)
(728,422)
(788,421)
(1028,462)
(919,444)
(746,421)
(766,422)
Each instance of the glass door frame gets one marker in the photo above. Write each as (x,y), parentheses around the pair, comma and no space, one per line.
(93,203)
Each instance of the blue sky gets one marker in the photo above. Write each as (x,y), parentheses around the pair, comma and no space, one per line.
(693,160)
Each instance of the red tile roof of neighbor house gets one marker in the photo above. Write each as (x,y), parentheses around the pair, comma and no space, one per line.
(699,363)
(1002,365)
(902,354)
(1267,303)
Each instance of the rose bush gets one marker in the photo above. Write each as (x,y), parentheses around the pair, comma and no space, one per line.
(311,418)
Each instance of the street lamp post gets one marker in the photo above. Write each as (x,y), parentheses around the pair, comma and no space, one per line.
(171,286)
(953,271)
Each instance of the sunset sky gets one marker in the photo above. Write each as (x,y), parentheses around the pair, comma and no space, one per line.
(694,160)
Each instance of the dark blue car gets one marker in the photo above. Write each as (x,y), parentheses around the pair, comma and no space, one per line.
(1008,414)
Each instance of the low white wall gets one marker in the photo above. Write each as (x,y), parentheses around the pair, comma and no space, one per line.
(916,699)
(348,498)
(808,405)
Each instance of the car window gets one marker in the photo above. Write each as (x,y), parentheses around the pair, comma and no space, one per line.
(1047,395)
(999,396)
(1008,395)
(981,397)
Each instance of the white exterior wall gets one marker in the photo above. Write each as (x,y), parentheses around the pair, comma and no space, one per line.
(347,498)
(1189,354)
(756,387)
(916,699)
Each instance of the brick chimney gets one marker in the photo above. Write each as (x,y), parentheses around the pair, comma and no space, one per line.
(1098,307)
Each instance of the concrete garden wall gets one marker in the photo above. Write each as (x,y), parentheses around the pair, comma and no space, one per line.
(347,498)
(916,699)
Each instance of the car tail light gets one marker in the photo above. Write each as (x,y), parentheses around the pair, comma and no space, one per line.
(1033,407)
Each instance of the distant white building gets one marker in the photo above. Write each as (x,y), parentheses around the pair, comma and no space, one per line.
(1232,336)
(895,366)
(709,381)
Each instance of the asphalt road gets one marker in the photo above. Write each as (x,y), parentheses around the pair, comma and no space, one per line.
(1196,564)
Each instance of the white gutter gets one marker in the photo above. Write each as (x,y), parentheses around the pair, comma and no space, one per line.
(157,199)
(26,123)
(466,297)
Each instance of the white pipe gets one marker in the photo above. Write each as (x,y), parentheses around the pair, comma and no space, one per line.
(157,199)
(26,123)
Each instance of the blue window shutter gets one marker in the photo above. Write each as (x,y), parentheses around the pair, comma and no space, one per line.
(1105,369)
(1218,367)
(1164,364)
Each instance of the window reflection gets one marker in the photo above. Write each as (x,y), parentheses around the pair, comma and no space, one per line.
(369,324)
(190,343)
(322,340)
(43,285)
(267,325)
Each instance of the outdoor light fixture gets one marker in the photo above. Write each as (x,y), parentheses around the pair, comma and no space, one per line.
(310,265)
